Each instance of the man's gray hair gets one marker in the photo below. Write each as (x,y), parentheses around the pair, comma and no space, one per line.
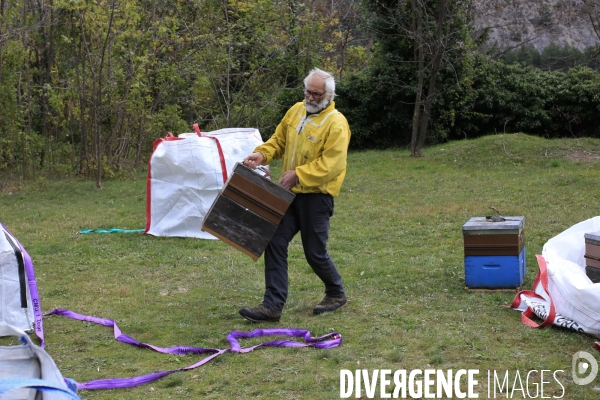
(327,77)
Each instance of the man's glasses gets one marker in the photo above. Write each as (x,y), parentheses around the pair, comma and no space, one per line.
(315,95)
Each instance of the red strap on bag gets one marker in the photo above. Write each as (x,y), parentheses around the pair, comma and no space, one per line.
(542,277)
(221,158)
(219,149)
(197,129)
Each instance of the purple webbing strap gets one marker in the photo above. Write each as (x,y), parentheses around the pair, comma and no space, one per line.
(117,383)
(33,291)
(323,342)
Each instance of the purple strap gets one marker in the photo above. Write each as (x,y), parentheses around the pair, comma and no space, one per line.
(33,291)
(323,342)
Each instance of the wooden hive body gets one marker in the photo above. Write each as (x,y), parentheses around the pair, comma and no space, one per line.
(592,256)
(494,253)
(247,211)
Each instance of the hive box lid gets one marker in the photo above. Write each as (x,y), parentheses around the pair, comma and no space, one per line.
(592,238)
(481,226)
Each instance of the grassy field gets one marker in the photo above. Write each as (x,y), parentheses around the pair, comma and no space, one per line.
(396,238)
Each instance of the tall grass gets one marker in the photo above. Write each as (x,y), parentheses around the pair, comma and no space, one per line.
(396,238)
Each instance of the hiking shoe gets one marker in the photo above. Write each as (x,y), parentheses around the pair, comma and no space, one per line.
(260,314)
(329,304)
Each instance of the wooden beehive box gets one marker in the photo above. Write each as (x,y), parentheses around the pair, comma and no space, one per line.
(494,253)
(592,256)
(247,211)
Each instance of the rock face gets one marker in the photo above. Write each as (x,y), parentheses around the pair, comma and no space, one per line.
(535,22)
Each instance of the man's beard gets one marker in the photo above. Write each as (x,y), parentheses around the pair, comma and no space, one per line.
(313,106)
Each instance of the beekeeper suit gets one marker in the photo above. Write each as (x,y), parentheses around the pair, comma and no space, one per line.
(312,141)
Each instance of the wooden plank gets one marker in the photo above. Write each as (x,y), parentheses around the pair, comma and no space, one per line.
(258,194)
(239,225)
(501,240)
(248,202)
(248,193)
(592,262)
(494,245)
(593,273)
(592,250)
(229,242)
(270,186)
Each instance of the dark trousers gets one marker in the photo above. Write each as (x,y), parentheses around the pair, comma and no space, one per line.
(308,214)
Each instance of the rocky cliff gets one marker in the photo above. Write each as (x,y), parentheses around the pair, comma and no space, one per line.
(535,22)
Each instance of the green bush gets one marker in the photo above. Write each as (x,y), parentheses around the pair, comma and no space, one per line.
(520,98)
(377,110)
(490,97)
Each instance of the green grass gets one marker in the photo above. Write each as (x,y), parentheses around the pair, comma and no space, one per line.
(396,238)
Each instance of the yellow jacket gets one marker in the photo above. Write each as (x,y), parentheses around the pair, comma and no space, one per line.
(315,146)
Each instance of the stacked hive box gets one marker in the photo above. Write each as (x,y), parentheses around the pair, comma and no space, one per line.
(494,253)
(247,211)
(592,256)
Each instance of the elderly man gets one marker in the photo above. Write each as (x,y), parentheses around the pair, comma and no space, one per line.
(313,141)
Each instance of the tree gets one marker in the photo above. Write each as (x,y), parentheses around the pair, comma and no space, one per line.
(437,33)
(591,8)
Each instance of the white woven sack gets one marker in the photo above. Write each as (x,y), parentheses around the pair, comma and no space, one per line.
(563,295)
(16,307)
(30,361)
(185,175)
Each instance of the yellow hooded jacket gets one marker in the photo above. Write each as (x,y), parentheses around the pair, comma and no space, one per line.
(315,146)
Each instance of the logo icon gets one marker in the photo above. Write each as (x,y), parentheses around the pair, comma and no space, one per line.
(584,364)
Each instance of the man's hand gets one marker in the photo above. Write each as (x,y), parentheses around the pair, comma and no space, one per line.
(254,160)
(289,179)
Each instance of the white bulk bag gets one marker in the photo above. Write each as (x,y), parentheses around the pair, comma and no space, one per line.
(562,293)
(16,306)
(27,372)
(185,175)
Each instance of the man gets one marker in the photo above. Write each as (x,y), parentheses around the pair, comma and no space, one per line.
(313,141)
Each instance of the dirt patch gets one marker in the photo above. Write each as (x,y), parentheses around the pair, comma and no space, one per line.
(582,155)
(8,187)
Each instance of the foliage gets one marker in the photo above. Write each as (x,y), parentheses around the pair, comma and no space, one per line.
(377,103)
(489,97)
(106,78)
(395,236)
(509,98)
(553,57)
(527,54)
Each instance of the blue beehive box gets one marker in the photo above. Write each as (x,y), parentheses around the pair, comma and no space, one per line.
(494,253)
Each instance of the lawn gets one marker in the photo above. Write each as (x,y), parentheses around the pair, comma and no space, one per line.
(396,238)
